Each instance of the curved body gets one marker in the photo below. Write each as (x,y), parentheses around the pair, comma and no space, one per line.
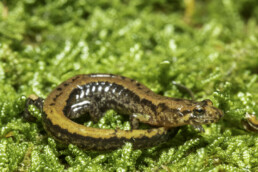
(95,93)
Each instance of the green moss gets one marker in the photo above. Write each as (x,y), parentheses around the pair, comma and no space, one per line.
(213,52)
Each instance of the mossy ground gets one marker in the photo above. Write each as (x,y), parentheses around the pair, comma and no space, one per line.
(209,46)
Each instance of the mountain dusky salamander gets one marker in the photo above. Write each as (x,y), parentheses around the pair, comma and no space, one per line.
(94,94)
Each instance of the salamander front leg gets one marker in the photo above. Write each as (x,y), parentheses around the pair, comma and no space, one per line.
(136,118)
(199,128)
(134,122)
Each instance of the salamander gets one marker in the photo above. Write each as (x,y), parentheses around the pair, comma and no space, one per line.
(94,94)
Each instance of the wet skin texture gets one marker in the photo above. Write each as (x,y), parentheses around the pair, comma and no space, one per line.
(94,94)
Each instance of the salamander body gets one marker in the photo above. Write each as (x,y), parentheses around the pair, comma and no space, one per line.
(94,94)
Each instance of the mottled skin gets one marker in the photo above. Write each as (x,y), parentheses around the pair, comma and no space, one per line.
(95,93)
(130,97)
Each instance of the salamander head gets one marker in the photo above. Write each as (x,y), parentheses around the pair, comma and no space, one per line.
(189,112)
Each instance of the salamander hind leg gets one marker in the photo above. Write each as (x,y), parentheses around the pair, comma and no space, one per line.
(83,108)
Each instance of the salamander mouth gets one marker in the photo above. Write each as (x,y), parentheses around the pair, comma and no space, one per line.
(206,120)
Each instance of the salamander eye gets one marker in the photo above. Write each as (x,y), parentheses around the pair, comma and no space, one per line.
(199,111)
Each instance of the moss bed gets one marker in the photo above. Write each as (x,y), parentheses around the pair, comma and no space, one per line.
(211,47)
